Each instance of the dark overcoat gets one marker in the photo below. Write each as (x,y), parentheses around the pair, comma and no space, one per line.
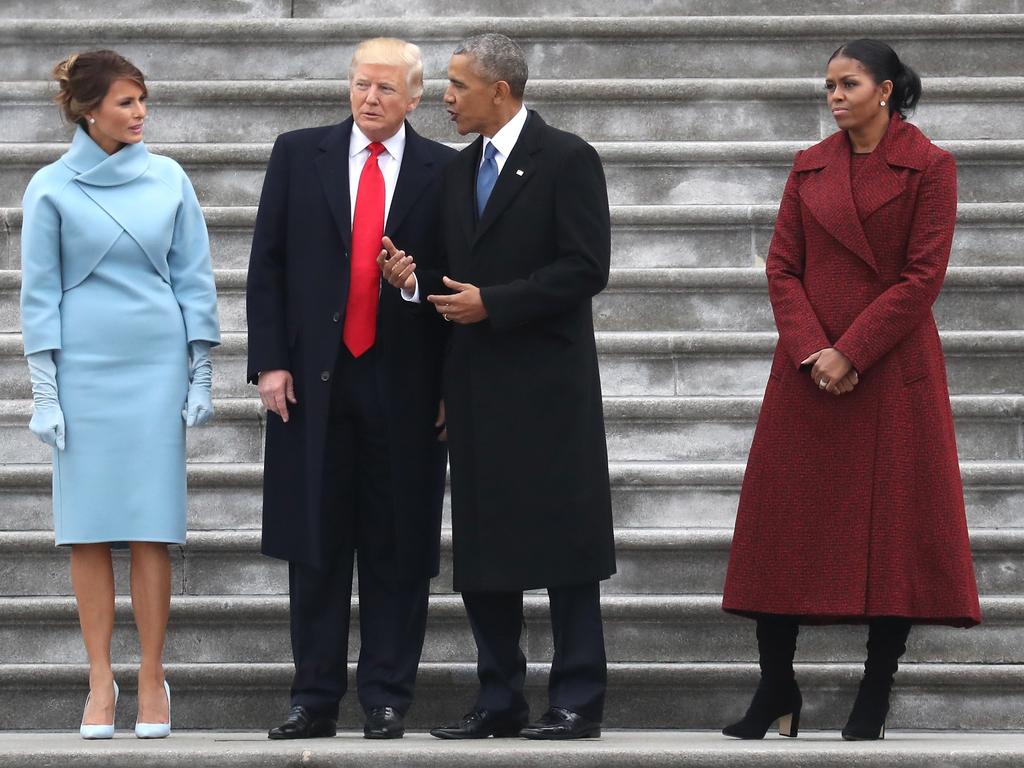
(296,295)
(852,506)
(531,503)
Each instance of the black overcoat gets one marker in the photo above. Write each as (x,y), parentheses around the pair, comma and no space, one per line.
(295,304)
(531,503)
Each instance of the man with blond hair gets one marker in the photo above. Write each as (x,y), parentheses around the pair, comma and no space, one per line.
(350,376)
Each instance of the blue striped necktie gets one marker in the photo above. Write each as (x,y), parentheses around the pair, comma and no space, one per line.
(485,179)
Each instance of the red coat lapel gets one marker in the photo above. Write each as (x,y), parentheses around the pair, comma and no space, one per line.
(841,208)
(828,196)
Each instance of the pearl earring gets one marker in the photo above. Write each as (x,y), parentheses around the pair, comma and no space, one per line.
(881,104)
(92,120)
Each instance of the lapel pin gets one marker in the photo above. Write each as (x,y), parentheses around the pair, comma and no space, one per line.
(519,173)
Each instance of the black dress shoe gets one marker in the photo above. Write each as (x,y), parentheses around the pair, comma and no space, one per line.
(480,724)
(559,723)
(303,724)
(383,723)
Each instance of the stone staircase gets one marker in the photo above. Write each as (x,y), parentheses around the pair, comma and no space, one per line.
(697,119)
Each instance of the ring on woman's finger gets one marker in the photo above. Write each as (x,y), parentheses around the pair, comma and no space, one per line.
(446,318)
(823,384)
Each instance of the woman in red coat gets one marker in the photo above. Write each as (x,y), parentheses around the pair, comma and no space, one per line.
(852,506)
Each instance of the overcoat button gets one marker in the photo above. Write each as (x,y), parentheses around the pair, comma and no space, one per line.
(336,317)
(325,376)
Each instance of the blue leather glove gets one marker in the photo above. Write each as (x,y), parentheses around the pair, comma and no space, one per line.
(47,418)
(199,408)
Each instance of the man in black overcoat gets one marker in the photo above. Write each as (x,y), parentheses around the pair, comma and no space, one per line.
(350,376)
(526,242)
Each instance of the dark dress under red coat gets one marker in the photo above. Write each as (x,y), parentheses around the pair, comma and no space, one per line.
(852,506)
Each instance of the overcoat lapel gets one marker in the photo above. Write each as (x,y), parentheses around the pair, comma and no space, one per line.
(903,146)
(413,177)
(464,194)
(332,168)
(517,173)
(829,197)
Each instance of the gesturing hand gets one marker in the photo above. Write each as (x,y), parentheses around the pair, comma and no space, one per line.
(277,389)
(832,371)
(464,306)
(396,266)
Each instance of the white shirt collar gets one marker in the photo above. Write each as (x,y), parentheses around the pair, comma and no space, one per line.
(395,145)
(505,139)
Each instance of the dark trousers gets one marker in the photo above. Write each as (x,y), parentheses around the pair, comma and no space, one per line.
(579,670)
(392,613)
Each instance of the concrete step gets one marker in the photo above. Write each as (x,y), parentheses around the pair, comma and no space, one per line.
(648,236)
(615,749)
(691,299)
(669,628)
(660,494)
(376,9)
(726,46)
(702,429)
(648,695)
(678,364)
(653,561)
(656,173)
(599,110)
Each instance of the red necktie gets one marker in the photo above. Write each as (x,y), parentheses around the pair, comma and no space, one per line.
(364,282)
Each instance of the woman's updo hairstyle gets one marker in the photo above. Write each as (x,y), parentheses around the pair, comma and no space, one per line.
(882,62)
(85,78)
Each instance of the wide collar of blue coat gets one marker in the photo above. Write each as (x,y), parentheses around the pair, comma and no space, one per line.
(93,166)
(840,206)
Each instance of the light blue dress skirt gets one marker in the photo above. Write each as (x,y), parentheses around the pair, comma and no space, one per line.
(122,379)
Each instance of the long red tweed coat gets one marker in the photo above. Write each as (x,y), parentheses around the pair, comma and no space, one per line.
(852,506)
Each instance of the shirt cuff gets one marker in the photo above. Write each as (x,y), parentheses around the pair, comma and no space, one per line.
(414,294)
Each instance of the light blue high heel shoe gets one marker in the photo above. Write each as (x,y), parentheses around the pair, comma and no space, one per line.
(98,731)
(156,730)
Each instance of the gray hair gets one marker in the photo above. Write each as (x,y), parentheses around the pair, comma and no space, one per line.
(497,58)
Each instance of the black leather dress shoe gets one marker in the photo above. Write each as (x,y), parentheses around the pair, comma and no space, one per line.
(383,723)
(480,724)
(303,724)
(558,723)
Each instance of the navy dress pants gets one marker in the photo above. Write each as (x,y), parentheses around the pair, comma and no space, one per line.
(392,611)
(579,669)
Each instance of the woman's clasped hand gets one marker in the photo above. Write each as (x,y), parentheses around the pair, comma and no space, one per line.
(832,371)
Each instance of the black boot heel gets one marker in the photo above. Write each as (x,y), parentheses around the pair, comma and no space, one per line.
(769,706)
(789,725)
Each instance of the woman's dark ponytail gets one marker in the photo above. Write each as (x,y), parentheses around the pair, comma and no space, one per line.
(906,90)
(883,64)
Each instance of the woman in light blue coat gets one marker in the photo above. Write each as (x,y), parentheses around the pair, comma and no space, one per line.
(118,317)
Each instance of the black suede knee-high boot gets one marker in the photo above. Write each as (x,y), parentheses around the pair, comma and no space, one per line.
(777,696)
(887,642)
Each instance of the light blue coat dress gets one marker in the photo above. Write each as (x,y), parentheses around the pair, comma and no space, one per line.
(116,278)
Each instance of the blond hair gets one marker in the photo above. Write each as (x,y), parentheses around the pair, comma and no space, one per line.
(392,52)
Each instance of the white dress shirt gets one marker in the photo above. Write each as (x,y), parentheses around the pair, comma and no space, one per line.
(504,142)
(389,162)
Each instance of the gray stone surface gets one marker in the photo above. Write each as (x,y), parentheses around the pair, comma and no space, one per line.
(650,628)
(616,749)
(699,299)
(650,561)
(659,173)
(748,46)
(679,364)
(659,494)
(186,9)
(697,119)
(648,236)
(706,695)
(597,109)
